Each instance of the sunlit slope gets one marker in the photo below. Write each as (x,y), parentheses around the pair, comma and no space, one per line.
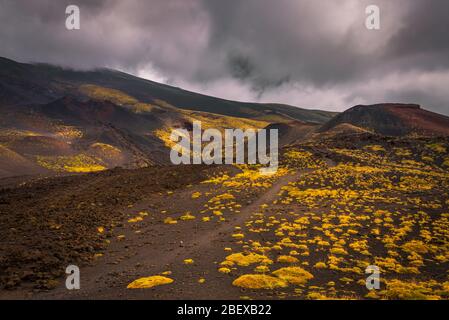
(103,129)
(63,120)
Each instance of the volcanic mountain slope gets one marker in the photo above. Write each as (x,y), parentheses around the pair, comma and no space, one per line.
(12,163)
(392,119)
(380,119)
(68,135)
(59,120)
(72,135)
(40,83)
(294,131)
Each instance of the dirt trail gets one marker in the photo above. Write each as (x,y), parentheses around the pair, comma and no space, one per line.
(158,248)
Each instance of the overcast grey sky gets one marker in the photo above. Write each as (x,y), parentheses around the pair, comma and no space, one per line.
(312,54)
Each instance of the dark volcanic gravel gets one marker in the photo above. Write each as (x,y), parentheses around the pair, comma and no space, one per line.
(49,223)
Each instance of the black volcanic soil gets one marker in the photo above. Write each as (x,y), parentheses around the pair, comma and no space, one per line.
(47,223)
(51,223)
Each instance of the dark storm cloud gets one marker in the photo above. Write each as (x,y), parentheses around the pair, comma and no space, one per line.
(307,53)
(425,34)
(282,40)
(123,34)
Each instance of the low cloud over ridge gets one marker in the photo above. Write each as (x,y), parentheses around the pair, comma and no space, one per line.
(313,54)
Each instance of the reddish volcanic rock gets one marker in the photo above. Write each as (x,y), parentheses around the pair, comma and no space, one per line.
(392,119)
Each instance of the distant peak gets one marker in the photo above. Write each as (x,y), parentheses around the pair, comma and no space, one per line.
(388,105)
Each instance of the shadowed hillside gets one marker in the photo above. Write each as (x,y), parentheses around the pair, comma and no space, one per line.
(30,83)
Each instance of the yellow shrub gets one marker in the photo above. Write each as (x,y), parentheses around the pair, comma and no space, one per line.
(320,265)
(415,246)
(187,216)
(437,147)
(261,269)
(294,275)
(134,220)
(397,289)
(224,270)
(170,220)
(338,250)
(196,195)
(287,259)
(259,281)
(149,282)
(247,259)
